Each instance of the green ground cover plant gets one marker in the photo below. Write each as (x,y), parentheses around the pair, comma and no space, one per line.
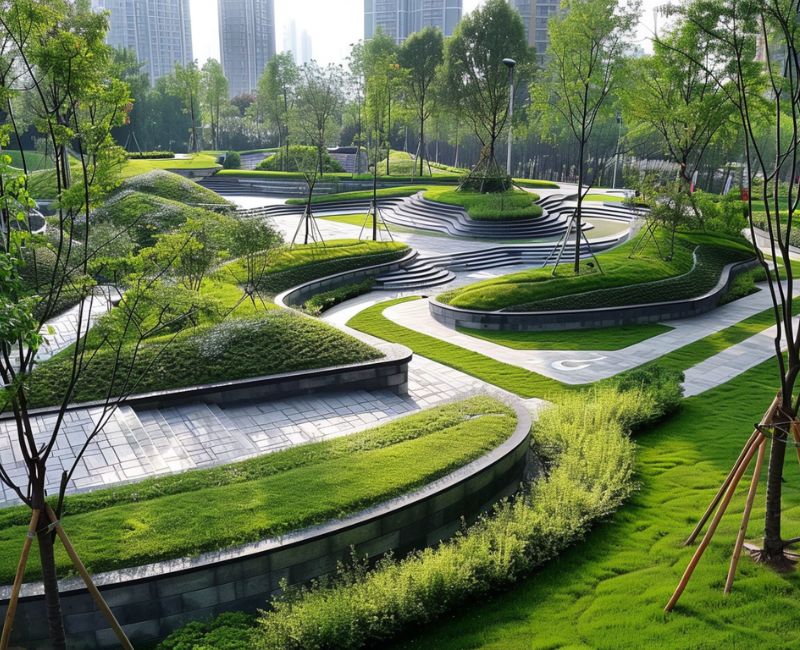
(494,206)
(327,299)
(289,267)
(196,511)
(607,338)
(694,268)
(175,188)
(534,182)
(609,592)
(361,195)
(154,155)
(589,458)
(238,348)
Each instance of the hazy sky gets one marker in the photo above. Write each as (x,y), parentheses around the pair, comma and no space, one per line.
(332,24)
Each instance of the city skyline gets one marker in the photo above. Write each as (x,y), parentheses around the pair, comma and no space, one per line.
(247,41)
(401,18)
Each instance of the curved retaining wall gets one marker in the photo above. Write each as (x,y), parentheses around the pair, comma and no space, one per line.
(151,601)
(298,295)
(529,321)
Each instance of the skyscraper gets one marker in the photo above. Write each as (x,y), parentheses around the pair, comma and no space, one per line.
(246,41)
(401,18)
(535,16)
(159,31)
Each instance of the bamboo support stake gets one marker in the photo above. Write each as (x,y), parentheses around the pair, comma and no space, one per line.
(748,507)
(23,561)
(796,435)
(93,590)
(768,417)
(687,574)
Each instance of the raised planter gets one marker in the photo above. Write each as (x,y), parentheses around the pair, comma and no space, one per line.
(389,372)
(296,296)
(531,321)
(151,601)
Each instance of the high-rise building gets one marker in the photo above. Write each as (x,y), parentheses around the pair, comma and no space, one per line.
(246,41)
(305,48)
(535,16)
(401,18)
(159,31)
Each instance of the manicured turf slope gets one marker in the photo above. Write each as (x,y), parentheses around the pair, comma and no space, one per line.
(185,514)
(514,204)
(609,591)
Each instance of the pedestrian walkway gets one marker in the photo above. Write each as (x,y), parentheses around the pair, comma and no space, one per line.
(584,366)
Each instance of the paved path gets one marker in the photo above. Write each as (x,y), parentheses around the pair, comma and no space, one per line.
(585,366)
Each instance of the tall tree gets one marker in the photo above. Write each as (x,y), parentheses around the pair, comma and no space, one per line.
(276,95)
(317,111)
(421,55)
(214,96)
(679,100)
(588,41)
(477,79)
(67,78)
(735,29)
(184,82)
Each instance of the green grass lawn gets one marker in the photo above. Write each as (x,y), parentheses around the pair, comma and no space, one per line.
(605,198)
(385,193)
(609,591)
(34,160)
(196,161)
(514,204)
(181,515)
(624,280)
(607,338)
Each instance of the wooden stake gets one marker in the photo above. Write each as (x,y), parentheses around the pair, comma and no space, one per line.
(687,574)
(748,507)
(768,417)
(796,435)
(23,561)
(98,598)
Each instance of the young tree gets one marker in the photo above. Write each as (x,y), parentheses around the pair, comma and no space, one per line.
(214,96)
(184,83)
(420,56)
(680,101)
(478,80)
(276,95)
(586,54)
(318,107)
(379,67)
(735,29)
(355,65)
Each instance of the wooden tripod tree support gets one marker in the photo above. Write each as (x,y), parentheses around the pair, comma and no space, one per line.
(76,561)
(756,444)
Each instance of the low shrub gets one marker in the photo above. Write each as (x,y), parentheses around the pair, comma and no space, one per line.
(491,206)
(232,160)
(589,472)
(229,631)
(327,299)
(280,162)
(152,155)
(744,284)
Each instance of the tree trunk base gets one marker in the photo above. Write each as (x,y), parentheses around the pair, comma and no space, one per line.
(783,563)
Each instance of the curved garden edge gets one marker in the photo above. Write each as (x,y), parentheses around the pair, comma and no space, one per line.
(528,321)
(150,601)
(296,296)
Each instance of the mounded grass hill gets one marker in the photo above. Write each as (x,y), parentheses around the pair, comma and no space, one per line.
(694,268)
(174,187)
(494,206)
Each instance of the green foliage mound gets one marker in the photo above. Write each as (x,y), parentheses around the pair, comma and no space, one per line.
(174,187)
(276,341)
(327,299)
(298,153)
(584,442)
(232,160)
(150,155)
(694,268)
(491,206)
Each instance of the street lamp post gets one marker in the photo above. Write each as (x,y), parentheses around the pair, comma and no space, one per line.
(510,64)
(616,152)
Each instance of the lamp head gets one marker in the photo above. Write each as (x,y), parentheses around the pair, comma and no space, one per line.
(509,63)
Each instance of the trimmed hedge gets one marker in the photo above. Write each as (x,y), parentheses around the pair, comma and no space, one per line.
(151,155)
(532,182)
(361,195)
(278,341)
(281,176)
(327,299)
(589,457)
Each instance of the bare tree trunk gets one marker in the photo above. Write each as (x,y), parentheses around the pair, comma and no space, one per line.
(421,143)
(578,220)
(47,559)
